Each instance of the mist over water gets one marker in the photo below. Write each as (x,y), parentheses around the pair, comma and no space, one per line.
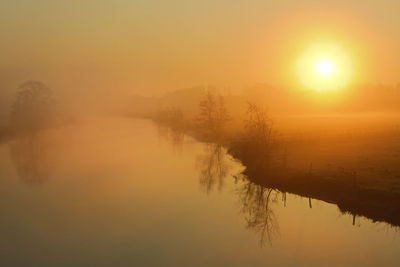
(204,177)
(199,133)
(112,191)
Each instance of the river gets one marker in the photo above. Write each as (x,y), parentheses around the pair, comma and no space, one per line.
(126,192)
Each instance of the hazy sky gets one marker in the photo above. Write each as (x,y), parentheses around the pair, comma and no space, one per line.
(156,46)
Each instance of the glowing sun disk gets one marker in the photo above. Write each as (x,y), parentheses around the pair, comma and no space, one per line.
(325,67)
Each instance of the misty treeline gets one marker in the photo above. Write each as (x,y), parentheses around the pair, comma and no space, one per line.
(209,122)
(170,116)
(281,101)
(253,138)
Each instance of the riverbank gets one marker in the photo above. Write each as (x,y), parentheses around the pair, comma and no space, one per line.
(348,172)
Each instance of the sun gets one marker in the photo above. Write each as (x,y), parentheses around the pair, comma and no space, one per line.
(324,67)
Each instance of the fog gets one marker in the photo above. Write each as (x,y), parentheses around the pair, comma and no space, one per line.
(192,133)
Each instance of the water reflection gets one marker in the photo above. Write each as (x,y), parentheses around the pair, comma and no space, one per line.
(112,204)
(259,192)
(256,203)
(31,158)
(172,136)
(213,167)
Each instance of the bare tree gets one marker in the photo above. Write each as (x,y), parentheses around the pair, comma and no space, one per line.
(213,114)
(258,128)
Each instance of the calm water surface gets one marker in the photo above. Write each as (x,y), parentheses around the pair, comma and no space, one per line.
(123,192)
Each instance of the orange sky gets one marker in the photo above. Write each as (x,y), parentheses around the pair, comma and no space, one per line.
(150,47)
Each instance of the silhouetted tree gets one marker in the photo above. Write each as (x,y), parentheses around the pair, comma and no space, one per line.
(33,108)
(258,126)
(213,114)
(255,145)
(258,134)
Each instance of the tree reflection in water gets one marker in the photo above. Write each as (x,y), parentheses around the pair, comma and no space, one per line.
(173,137)
(255,200)
(213,167)
(31,158)
(256,203)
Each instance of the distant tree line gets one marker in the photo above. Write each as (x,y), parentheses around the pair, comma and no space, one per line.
(255,141)
(171,116)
